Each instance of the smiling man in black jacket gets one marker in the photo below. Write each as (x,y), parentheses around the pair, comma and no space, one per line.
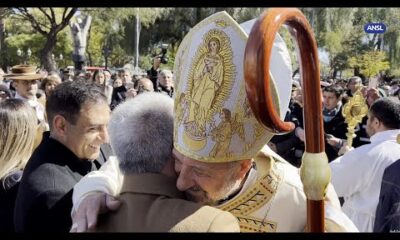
(78,115)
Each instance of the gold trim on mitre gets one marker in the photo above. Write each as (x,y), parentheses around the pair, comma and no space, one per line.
(214,121)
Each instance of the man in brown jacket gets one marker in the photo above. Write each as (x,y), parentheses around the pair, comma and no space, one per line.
(150,200)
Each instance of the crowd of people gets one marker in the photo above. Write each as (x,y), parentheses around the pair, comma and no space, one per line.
(31,103)
(118,152)
(335,94)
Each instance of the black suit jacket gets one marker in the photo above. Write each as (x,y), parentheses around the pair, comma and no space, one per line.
(338,128)
(118,96)
(387,217)
(8,193)
(105,153)
(44,199)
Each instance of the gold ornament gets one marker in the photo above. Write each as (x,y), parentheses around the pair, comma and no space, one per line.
(353,112)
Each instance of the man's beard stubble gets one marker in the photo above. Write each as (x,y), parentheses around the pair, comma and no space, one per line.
(213,199)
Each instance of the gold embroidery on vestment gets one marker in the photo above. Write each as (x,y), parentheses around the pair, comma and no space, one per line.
(250,224)
(254,198)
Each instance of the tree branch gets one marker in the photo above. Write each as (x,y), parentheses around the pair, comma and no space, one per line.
(63,15)
(53,15)
(52,20)
(23,12)
(65,21)
(4,12)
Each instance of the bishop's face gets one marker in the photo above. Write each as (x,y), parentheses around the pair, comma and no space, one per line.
(207,183)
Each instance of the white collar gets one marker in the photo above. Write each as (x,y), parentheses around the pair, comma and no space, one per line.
(32,102)
(385,135)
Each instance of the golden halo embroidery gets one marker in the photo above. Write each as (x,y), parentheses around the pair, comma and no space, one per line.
(210,81)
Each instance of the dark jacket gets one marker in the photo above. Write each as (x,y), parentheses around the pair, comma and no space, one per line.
(44,199)
(287,144)
(361,137)
(6,90)
(164,90)
(387,216)
(118,96)
(338,128)
(105,152)
(8,194)
(152,74)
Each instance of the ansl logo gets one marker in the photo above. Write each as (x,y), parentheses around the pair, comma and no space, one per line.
(375,28)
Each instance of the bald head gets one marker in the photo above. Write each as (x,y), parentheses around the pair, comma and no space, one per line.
(146,84)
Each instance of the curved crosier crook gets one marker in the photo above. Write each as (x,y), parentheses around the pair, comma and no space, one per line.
(315,171)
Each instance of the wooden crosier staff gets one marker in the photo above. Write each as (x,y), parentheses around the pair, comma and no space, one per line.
(315,172)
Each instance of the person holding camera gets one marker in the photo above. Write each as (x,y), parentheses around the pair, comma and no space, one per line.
(153,72)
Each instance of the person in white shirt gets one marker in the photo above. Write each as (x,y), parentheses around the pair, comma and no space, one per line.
(357,175)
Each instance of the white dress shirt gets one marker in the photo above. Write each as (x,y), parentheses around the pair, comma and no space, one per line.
(39,108)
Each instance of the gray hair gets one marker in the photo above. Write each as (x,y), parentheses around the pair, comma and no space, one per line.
(355,78)
(141,133)
(165,72)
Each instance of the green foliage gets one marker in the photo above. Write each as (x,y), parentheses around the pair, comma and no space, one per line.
(64,46)
(95,44)
(333,42)
(370,63)
(170,27)
(394,72)
(119,57)
(115,27)
(21,38)
(39,29)
(291,45)
(245,14)
(339,31)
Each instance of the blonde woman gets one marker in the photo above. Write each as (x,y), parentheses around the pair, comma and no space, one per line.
(18,124)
